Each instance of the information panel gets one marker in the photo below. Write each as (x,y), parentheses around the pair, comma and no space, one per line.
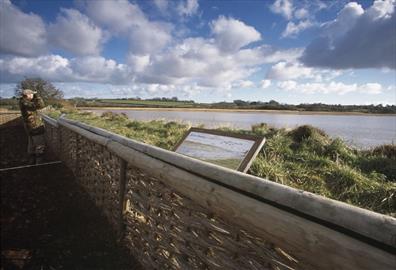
(230,150)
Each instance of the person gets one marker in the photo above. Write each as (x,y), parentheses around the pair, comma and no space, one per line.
(29,103)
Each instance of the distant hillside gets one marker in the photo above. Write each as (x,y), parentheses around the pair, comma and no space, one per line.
(236,104)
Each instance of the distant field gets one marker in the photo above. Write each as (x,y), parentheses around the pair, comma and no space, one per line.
(149,103)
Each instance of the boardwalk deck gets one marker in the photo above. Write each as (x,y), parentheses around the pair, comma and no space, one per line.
(48,221)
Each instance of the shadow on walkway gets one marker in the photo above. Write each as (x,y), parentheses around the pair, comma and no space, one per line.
(49,222)
(13,143)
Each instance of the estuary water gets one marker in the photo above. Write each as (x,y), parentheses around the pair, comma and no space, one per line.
(362,131)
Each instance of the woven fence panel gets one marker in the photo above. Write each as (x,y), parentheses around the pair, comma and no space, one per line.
(52,138)
(98,171)
(94,167)
(166,230)
(68,148)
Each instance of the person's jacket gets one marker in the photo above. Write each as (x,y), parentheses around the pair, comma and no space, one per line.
(31,118)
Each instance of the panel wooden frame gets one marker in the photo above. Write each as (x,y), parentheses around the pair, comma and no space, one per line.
(251,155)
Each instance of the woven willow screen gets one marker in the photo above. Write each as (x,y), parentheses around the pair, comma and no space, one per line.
(171,218)
(169,231)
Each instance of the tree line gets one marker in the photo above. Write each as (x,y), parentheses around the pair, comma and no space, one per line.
(55,97)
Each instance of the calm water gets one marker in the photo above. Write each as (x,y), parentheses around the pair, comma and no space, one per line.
(363,131)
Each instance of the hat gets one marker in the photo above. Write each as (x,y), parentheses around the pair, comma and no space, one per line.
(26,92)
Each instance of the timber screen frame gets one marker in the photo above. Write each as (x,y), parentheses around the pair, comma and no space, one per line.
(246,162)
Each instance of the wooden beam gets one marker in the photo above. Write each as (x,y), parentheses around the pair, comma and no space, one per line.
(49,120)
(89,135)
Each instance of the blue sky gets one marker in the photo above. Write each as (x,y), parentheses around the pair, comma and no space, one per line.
(336,52)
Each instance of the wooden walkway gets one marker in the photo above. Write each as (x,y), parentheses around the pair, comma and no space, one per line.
(47,220)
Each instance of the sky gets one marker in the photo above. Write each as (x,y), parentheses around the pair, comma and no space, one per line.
(291,51)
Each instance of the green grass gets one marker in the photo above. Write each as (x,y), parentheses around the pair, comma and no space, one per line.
(305,158)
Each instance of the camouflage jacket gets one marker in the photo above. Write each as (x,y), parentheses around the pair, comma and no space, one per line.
(31,118)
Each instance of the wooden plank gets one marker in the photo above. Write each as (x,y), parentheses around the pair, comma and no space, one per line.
(30,166)
(372,225)
(49,120)
(89,135)
(315,246)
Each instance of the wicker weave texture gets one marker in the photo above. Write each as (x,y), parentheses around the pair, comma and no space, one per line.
(98,170)
(52,138)
(68,148)
(166,230)
(95,168)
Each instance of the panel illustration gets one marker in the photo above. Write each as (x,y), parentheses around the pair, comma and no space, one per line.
(219,149)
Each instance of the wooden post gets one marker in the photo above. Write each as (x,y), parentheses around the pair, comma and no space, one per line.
(123,166)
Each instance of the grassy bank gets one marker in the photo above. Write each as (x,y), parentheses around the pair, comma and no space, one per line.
(305,158)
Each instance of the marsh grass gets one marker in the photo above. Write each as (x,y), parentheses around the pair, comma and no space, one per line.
(305,158)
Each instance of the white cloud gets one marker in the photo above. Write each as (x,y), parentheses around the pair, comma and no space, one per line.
(275,55)
(21,34)
(345,20)
(149,39)
(59,69)
(265,84)
(357,38)
(99,69)
(52,67)
(75,33)
(231,34)
(371,88)
(162,5)
(287,71)
(381,9)
(337,88)
(200,61)
(391,88)
(193,61)
(296,70)
(301,13)
(126,19)
(292,29)
(188,7)
(138,63)
(287,85)
(243,84)
(283,7)
(117,15)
